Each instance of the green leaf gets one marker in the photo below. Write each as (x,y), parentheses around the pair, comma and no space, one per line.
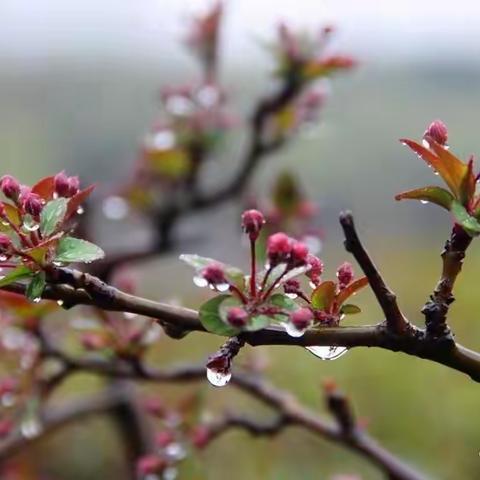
(258,322)
(52,215)
(470,224)
(36,286)
(282,301)
(211,319)
(350,309)
(323,295)
(436,195)
(70,249)
(18,273)
(351,289)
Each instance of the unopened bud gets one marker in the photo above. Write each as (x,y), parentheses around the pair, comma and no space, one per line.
(10,187)
(66,186)
(316,269)
(301,318)
(279,247)
(345,274)
(32,204)
(291,286)
(237,317)
(437,131)
(252,223)
(299,253)
(214,274)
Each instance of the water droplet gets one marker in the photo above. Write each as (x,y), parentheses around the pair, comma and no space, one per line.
(435,173)
(425,143)
(37,299)
(58,264)
(80,210)
(424,202)
(5,223)
(59,303)
(312,285)
(175,451)
(200,281)
(222,287)
(327,353)
(115,208)
(218,378)
(3,258)
(170,473)
(31,427)
(293,296)
(293,331)
(31,227)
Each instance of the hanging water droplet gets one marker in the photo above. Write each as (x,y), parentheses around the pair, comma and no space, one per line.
(59,303)
(222,287)
(435,172)
(218,378)
(424,143)
(80,210)
(115,208)
(424,202)
(5,223)
(3,258)
(293,331)
(312,285)
(199,281)
(37,299)
(327,353)
(293,296)
(175,451)
(170,473)
(31,427)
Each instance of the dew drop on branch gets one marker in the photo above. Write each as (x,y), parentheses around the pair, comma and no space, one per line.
(293,331)
(218,378)
(59,303)
(327,353)
(424,202)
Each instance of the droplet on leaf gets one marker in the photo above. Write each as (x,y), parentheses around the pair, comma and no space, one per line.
(218,378)
(200,281)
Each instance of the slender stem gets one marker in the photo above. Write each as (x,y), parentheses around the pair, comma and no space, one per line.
(253,269)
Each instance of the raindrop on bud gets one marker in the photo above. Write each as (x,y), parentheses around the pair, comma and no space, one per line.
(218,378)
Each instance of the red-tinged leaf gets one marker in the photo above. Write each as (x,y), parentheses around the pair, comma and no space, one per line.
(22,307)
(324,295)
(45,188)
(452,171)
(468,185)
(350,289)
(76,201)
(431,194)
(455,167)
(12,213)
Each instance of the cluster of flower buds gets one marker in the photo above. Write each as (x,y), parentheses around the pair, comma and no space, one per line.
(35,223)
(252,301)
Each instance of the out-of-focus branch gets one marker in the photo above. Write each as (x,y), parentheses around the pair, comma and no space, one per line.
(436,309)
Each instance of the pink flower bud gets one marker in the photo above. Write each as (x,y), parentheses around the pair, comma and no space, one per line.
(237,317)
(301,318)
(66,186)
(345,274)
(200,436)
(316,269)
(291,286)
(32,204)
(252,223)
(5,243)
(437,131)
(279,247)
(214,274)
(150,464)
(10,187)
(164,438)
(73,186)
(299,253)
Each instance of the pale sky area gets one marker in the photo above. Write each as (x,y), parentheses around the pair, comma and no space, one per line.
(383,29)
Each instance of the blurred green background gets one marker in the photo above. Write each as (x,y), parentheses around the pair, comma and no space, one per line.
(83,106)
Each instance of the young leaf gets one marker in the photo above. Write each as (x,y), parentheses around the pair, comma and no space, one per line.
(449,167)
(258,322)
(76,201)
(45,188)
(468,185)
(52,215)
(211,319)
(282,301)
(463,218)
(70,249)
(350,309)
(36,286)
(350,289)
(323,295)
(19,273)
(436,195)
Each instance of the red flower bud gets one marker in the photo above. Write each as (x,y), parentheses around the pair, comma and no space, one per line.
(66,186)
(301,318)
(164,438)
(73,186)
(299,253)
(10,187)
(5,243)
(150,464)
(316,269)
(345,274)
(279,247)
(214,274)
(32,204)
(200,436)
(437,131)
(252,223)
(237,317)
(291,286)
